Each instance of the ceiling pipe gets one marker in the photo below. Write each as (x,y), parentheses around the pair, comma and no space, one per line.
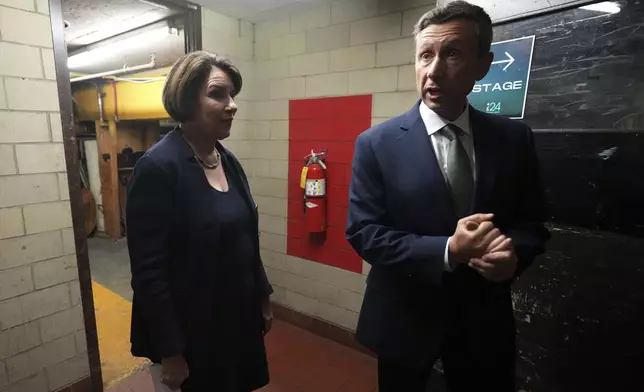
(99,95)
(155,4)
(142,67)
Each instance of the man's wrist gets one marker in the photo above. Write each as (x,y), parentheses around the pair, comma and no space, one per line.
(448,259)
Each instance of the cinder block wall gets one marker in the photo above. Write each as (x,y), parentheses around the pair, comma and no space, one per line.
(42,340)
(233,38)
(338,49)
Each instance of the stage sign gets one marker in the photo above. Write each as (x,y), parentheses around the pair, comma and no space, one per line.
(505,87)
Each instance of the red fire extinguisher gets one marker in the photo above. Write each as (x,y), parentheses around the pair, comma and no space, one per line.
(314,183)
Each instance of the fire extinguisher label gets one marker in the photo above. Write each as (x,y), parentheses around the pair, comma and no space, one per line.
(305,170)
(315,188)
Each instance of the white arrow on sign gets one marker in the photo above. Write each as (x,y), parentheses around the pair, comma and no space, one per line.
(507,62)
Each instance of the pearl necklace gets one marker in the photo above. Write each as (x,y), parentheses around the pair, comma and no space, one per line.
(210,166)
(202,162)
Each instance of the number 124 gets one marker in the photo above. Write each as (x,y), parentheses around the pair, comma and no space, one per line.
(493,107)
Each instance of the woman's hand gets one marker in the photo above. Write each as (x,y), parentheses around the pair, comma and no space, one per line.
(175,371)
(267,314)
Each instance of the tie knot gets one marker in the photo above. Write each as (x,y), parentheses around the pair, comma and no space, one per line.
(451,131)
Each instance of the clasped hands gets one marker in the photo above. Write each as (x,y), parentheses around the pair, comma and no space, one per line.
(480,245)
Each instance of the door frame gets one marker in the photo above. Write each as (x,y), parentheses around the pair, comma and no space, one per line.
(193,41)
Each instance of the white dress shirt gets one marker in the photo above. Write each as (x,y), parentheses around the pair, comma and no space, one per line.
(434,123)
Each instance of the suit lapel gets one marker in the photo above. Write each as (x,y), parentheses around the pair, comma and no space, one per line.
(190,166)
(417,146)
(484,150)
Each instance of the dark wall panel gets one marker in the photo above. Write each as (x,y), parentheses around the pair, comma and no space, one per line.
(594,179)
(586,103)
(587,69)
(580,309)
(579,315)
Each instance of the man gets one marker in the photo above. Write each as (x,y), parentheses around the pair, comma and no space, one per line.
(446,204)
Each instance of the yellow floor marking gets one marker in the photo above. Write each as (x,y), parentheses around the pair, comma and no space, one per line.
(113,315)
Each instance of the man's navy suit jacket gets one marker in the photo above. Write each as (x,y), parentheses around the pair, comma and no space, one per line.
(401,215)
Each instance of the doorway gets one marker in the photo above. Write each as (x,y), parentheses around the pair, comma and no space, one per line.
(110,56)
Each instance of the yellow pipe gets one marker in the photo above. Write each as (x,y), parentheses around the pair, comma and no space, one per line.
(135,101)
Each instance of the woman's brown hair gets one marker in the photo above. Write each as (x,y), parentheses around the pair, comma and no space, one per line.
(186,78)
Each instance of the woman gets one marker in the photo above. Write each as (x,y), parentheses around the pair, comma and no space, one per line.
(201,305)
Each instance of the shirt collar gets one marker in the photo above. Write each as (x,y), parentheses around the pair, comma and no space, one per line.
(434,122)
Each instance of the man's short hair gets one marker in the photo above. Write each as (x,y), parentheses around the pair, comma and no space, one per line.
(460,10)
(186,79)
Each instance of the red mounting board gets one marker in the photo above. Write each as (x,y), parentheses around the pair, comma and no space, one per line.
(332,124)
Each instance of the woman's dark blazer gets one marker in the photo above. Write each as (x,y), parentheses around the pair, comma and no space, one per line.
(170,241)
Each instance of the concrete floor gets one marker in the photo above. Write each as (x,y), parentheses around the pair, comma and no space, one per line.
(110,265)
(110,268)
(298,360)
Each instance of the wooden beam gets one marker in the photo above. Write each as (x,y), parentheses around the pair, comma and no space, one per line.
(106,138)
(152,135)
